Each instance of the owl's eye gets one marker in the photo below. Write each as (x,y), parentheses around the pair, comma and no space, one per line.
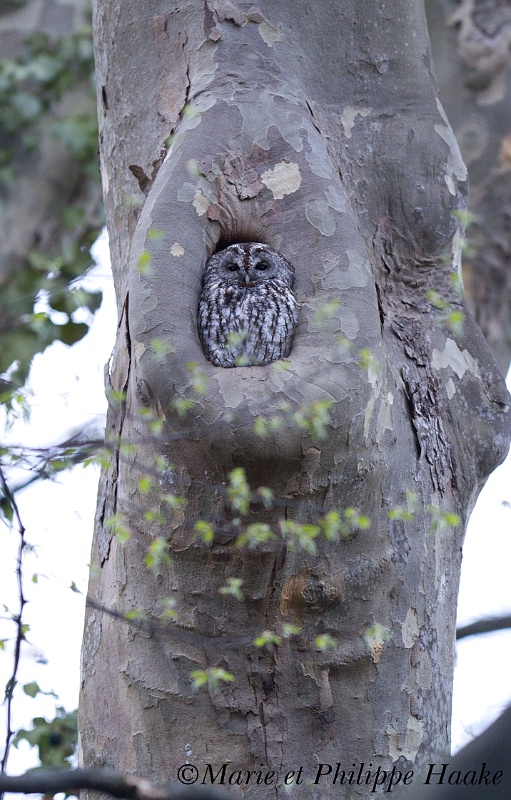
(262,265)
(232,267)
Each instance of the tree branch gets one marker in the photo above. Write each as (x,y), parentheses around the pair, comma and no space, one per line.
(487,625)
(51,781)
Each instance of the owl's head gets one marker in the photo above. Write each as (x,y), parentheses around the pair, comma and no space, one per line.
(248,264)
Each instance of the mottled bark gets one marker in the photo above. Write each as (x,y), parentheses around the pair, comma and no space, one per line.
(471,53)
(315,129)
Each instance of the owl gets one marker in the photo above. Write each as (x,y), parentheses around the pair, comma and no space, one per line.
(247,309)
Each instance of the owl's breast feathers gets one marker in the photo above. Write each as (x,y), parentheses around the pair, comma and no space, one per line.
(244,324)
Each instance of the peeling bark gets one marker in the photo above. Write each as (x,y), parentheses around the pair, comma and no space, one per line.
(316,130)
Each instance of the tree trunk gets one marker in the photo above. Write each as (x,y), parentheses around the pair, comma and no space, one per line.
(470,44)
(317,130)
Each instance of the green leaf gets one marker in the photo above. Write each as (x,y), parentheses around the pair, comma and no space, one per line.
(6,509)
(55,739)
(72,332)
(238,491)
(31,689)
(254,534)
(145,484)
(136,614)
(212,677)
(268,639)
(289,629)
(157,554)
(144,262)
(232,588)
(266,496)
(325,642)
(204,531)
(169,610)
(299,537)
(314,418)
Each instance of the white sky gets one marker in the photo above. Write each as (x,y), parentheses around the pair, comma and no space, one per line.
(68,390)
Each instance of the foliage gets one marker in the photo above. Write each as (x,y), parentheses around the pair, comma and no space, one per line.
(40,297)
(212,678)
(55,739)
(300,528)
(313,418)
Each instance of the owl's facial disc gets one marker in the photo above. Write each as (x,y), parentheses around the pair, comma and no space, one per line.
(260,271)
(247,287)
(262,265)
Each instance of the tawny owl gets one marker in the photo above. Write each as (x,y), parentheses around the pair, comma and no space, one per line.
(247,309)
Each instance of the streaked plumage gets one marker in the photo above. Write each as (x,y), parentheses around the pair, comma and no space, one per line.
(247,309)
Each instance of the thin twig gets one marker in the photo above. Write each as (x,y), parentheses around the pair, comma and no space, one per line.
(17,619)
(86,449)
(169,630)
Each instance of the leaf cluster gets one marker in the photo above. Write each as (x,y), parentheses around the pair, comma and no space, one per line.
(55,739)
(34,82)
(39,299)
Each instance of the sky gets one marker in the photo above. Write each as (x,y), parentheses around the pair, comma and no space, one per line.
(67,391)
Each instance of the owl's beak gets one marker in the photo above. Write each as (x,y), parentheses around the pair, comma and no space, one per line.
(247,278)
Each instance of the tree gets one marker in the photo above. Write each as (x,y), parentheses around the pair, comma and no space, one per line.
(50,197)
(286,159)
(318,131)
(50,212)
(470,52)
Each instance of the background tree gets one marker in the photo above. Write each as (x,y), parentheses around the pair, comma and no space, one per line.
(470,45)
(51,209)
(322,135)
(50,213)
